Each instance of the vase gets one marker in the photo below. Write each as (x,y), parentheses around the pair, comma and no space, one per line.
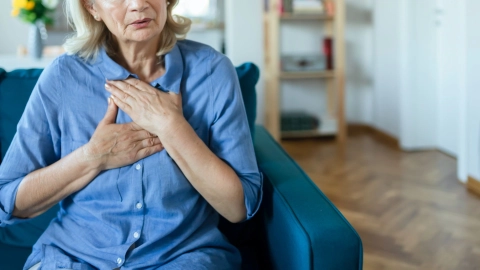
(35,40)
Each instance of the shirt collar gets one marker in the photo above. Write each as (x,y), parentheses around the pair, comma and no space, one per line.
(170,81)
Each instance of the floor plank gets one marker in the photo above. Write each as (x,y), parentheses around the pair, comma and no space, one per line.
(408,207)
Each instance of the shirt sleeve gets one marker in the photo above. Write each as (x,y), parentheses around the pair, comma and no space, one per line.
(230,137)
(36,143)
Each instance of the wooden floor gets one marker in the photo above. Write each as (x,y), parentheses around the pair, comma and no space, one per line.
(408,208)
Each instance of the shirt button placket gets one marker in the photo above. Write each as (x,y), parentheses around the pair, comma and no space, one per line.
(138,205)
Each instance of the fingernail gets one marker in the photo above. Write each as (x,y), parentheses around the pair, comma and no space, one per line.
(109,101)
(107,86)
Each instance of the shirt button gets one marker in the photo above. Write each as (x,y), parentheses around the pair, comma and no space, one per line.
(136,235)
(119,261)
(138,167)
(139,206)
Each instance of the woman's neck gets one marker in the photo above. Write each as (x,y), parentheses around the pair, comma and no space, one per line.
(140,59)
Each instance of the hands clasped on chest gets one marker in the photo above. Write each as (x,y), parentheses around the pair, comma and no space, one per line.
(152,111)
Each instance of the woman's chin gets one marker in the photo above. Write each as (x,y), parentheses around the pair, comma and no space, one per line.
(144,36)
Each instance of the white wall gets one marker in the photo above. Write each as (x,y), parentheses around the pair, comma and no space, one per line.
(387,64)
(359,61)
(419,81)
(471,148)
(450,20)
(13,32)
(429,53)
(211,37)
(244,40)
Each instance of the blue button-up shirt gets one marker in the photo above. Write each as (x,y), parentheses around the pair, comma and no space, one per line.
(149,205)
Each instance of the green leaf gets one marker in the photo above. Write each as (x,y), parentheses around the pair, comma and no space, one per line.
(32,17)
(47,20)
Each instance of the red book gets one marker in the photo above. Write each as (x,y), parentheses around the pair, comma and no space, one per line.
(328,51)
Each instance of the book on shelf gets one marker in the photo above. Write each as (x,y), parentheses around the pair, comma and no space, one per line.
(313,62)
(298,121)
(328,52)
(303,63)
(287,6)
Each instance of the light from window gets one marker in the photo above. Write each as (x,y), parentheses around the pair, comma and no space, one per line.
(194,8)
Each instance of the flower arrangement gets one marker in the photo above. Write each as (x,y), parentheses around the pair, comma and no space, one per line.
(31,11)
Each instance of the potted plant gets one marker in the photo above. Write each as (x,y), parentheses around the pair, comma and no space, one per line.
(38,13)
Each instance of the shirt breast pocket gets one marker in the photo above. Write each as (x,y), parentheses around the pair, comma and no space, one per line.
(104,187)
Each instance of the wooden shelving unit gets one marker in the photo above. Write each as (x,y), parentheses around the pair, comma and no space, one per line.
(335,79)
(306,75)
(307,134)
(305,17)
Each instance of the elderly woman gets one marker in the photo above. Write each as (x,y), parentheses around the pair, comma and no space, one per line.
(143,140)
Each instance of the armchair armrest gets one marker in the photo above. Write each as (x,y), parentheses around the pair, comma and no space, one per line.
(302,229)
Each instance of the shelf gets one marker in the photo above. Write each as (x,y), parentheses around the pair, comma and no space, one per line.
(328,127)
(307,75)
(332,25)
(307,134)
(305,17)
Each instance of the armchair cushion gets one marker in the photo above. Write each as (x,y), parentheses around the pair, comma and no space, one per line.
(248,75)
(301,228)
(15,89)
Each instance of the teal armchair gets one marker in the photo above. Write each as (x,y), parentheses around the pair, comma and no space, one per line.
(297,227)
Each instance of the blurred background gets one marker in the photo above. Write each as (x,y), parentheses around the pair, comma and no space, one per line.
(377,100)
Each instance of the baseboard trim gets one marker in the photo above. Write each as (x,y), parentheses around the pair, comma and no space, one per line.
(473,185)
(378,134)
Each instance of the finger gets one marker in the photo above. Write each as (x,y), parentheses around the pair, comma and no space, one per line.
(137,136)
(152,141)
(140,85)
(118,93)
(122,105)
(127,88)
(111,114)
(133,126)
(145,152)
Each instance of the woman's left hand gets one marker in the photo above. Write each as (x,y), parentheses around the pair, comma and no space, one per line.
(152,109)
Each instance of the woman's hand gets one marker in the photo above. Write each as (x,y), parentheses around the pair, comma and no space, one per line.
(116,145)
(150,108)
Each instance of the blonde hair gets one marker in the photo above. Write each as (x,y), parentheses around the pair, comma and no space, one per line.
(90,35)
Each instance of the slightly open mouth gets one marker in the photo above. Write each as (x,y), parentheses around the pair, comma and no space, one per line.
(142,21)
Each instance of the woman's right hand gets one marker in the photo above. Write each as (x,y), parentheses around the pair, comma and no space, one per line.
(117,145)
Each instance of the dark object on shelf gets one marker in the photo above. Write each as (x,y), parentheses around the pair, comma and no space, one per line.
(328,51)
(296,63)
(294,121)
(287,6)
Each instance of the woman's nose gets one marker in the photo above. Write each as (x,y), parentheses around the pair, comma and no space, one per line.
(138,5)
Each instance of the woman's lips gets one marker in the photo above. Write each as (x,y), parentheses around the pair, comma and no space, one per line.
(141,23)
